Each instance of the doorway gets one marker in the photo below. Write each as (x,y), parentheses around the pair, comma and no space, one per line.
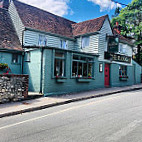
(107,75)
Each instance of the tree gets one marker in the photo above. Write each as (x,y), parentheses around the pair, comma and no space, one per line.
(130,20)
(117,11)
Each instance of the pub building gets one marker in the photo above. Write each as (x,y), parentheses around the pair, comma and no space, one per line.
(62,56)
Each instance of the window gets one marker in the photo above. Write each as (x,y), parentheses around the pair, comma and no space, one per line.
(85,41)
(63,44)
(122,49)
(59,64)
(28,56)
(82,66)
(122,71)
(14,58)
(42,40)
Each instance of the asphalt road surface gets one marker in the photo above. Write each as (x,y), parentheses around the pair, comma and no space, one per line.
(115,118)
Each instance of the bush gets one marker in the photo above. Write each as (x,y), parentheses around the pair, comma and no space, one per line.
(3,66)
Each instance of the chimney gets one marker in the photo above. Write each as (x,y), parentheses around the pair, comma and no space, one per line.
(4,4)
(117,28)
(1,3)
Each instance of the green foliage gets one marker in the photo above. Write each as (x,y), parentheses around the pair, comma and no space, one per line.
(130,18)
(3,66)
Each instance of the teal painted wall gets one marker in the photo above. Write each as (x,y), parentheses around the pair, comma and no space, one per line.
(137,72)
(71,85)
(114,77)
(51,87)
(32,68)
(7,58)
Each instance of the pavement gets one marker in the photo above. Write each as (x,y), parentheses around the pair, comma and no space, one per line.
(15,108)
(113,118)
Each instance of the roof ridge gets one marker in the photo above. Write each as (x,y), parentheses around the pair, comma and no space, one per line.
(44,11)
(91,19)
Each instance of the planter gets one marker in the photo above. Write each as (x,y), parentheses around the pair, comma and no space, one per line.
(60,80)
(84,80)
(123,79)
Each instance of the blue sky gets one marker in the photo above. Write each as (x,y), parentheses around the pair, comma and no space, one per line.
(84,10)
(77,10)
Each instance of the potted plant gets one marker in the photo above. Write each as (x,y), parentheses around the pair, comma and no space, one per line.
(3,66)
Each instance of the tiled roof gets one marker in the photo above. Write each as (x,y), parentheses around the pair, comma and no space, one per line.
(89,26)
(38,19)
(8,36)
(122,38)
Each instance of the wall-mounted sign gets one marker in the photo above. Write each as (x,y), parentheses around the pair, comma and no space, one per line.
(117,57)
(113,44)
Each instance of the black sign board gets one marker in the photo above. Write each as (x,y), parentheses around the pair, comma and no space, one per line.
(113,44)
(117,57)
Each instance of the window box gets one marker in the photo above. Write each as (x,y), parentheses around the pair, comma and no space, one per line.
(60,79)
(123,78)
(84,80)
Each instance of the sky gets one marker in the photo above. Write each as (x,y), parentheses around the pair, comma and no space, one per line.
(78,10)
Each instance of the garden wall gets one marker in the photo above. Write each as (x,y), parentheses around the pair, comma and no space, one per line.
(13,87)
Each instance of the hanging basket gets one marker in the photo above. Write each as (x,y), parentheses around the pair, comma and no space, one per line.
(3,66)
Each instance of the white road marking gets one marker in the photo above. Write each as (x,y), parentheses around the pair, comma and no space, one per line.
(124,131)
(55,113)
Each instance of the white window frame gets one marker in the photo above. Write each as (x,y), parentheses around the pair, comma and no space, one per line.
(83,44)
(63,44)
(42,41)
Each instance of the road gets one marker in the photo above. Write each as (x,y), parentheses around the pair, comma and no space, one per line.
(115,118)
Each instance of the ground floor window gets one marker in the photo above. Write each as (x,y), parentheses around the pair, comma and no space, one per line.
(122,71)
(59,64)
(15,58)
(82,66)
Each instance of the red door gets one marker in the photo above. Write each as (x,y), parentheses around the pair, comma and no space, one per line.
(107,75)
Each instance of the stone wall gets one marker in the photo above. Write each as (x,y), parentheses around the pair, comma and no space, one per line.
(13,87)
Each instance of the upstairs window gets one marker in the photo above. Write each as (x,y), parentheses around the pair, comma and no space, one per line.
(14,58)
(59,64)
(63,44)
(42,40)
(122,71)
(122,49)
(85,41)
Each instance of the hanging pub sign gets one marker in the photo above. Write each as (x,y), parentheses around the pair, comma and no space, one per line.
(117,57)
(113,44)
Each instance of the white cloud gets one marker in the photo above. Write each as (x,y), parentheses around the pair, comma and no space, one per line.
(58,7)
(105,4)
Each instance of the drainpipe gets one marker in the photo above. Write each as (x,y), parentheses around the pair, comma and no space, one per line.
(41,69)
(23,53)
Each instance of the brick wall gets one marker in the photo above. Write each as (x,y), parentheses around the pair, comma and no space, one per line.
(13,87)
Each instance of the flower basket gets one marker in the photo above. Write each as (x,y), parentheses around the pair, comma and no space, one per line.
(3,66)
(123,78)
